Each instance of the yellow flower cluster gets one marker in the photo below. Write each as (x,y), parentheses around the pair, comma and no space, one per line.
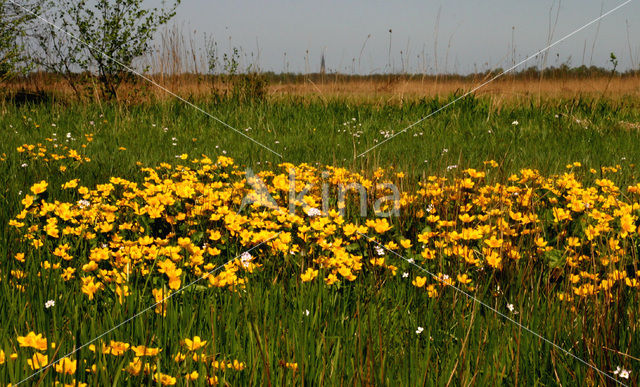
(56,152)
(138,366)
(182,222)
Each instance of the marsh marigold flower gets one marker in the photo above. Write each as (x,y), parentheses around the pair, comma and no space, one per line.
(116,348)
(141,350)
(195,344)
(164,379)
(419,281)
(309,275)
(66,366)
(34,341)
(39,188)
(38,361)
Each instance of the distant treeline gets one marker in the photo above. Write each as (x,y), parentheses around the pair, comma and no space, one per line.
(531,73)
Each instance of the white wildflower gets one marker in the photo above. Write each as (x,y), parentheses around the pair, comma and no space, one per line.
(313,212)
(245,258)
(622,372)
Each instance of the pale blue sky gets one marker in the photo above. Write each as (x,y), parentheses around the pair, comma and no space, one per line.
(471,34)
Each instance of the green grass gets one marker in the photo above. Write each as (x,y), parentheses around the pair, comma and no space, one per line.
(548,136)
(363,333)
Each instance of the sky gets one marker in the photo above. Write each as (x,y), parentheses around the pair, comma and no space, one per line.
(455,36)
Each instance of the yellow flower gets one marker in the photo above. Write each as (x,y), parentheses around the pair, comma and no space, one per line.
(90,288)
(195,344)
(466,218)
(494,260)
(631,282)
(331,279)
(419,281)
(346,273)
(134,367)
(309,275)
(406,243)
(571,241)
(174,279)
(179,357)
(34,341)
(116,348)
(141,350)
(27,201)
(67,274)
(560,214)
(428,254)
(627,223)
(432,291)
(381,226)
(39,188)
(38,361)
(238,366)
(66,366)
(121,292)
(540,242)
(350,229)
(213,251)
(165,380)
(463,278)
(91,266)
(493,242)
(193,376)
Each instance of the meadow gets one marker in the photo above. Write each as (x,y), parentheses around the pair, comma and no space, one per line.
(531,205)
